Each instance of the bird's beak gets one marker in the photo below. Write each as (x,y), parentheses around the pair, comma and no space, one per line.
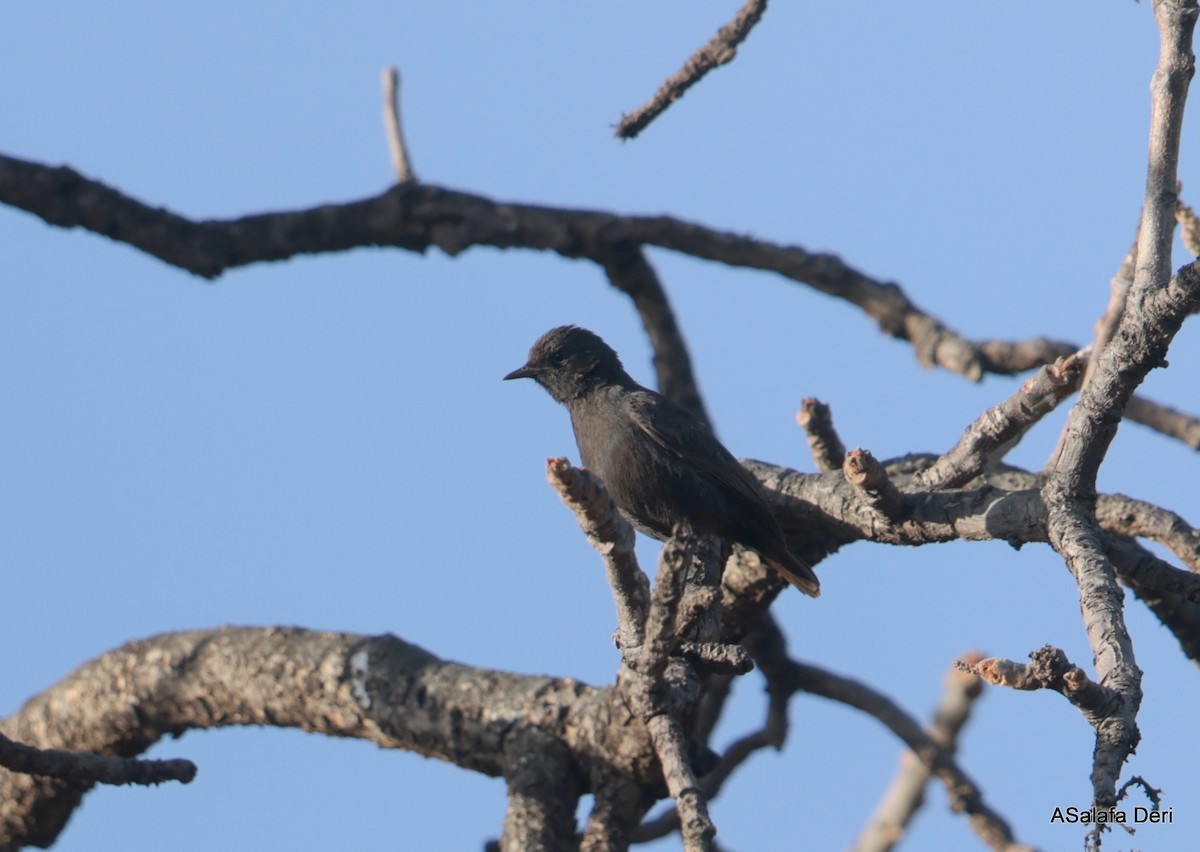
(525,372)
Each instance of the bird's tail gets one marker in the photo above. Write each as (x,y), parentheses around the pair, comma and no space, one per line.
(797,572)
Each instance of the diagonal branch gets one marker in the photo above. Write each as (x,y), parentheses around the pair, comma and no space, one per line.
(999,429)
(906,794)
(722,48)
(965,795)
(826,446)
(613,538)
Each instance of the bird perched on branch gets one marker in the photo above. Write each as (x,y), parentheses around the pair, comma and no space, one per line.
(661,464)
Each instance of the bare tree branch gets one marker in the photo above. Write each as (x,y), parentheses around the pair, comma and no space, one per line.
(416,217)
(827,513)
(769,736)
(1155,307)
(906,794)
(1165,420)
(999,429)
(1049,669)
(722,48)
(965,795)
(865,473)
(1120,514)
(827,448)
(1189,226)
(543,792)
(1118,291)
(391,123)
(379,689)
(660,691)
(613,538)
(1172,595)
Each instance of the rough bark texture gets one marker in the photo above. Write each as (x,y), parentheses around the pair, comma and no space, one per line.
(646,736)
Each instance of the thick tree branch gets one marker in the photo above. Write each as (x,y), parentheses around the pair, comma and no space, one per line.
(378,689)
(824,513)
(417,217)
(722,48)
(1172,595)
(543,792)
(1126,516)
(1154,309)
(661,689)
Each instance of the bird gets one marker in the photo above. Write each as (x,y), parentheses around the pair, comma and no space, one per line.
(661,464)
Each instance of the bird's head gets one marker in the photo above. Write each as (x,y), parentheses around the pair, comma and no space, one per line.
(570,361)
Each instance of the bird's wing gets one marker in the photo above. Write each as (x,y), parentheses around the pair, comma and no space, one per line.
(678,431)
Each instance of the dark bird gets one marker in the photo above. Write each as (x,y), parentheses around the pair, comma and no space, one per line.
(661,464)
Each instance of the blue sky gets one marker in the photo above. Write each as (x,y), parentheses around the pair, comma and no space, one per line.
(326,441)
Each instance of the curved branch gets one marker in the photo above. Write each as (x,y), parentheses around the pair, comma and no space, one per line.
(965,795)
(417,217)
(379,689)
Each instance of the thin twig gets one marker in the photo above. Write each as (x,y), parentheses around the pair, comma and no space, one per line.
(1118,292)
(769,736)
(391,123)
(1050,669)
(815,418)
(85,768)
(1189,226)
(720,49)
